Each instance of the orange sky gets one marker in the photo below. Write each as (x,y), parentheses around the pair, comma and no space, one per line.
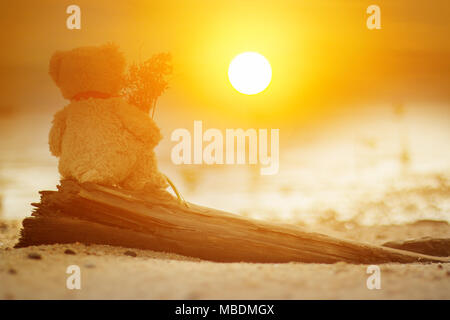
(321,52)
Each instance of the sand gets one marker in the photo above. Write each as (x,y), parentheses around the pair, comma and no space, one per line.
(115,273)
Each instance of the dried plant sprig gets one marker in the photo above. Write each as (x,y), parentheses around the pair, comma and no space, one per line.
(178,194)
(145,82)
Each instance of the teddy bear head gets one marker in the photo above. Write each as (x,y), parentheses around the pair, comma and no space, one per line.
(88,69)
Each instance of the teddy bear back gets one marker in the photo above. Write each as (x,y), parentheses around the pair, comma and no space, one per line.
(92,70)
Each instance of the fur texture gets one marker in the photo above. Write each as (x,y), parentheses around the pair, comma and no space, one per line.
(105,141)
(86,69)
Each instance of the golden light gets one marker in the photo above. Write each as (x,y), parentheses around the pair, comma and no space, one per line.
(250,73)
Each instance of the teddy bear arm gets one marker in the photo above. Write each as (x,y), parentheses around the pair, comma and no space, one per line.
(57,132)
(139,124)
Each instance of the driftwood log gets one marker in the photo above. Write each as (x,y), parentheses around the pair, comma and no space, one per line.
(90,213)
(431,246)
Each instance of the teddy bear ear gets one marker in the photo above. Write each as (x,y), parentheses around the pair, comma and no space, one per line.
(114,57)
(113,54)
(54,66)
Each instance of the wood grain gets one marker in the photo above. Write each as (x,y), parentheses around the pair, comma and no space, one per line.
(431,246)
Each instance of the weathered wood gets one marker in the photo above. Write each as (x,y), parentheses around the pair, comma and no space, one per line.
(90,213)
(431,246)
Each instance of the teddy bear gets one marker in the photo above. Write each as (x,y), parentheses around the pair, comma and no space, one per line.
(99,137)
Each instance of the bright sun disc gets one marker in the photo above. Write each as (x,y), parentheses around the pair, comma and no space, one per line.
(250,73)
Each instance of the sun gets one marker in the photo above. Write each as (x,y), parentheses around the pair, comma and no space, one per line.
(250,73)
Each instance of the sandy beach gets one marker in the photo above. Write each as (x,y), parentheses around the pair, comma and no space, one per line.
(123,273)
(332,116)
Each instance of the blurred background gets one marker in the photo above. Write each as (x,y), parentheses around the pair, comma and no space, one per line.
(364,115)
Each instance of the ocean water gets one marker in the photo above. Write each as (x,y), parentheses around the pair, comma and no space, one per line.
(372,168)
